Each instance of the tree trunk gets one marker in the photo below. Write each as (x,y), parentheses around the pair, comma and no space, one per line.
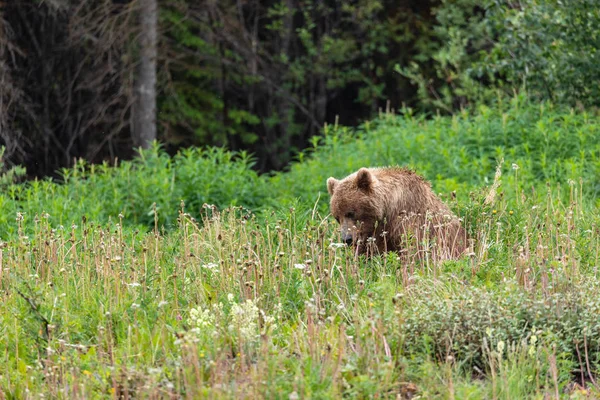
(282,155)
(144,107)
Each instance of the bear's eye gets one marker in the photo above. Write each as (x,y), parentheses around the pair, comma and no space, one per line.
(350,215)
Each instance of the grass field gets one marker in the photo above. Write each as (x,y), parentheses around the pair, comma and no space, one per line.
(229,303)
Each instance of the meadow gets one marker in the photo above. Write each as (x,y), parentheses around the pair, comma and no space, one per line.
(192,276)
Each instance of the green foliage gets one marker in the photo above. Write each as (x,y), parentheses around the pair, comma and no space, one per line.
(445,70)
(465,322)
(135,192)
(265,77)
(550,48)
(481,50)
(190,104)
(9,175)
(460,153)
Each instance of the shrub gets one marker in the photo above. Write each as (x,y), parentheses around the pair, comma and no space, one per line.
(135,190)
(460,153)
(487,49)
(468,321)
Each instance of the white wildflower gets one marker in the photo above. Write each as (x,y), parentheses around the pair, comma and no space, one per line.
(500,347)
(244,320)
(201,318)
(210,266)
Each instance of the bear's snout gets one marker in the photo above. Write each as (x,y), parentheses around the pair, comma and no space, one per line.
(347,238)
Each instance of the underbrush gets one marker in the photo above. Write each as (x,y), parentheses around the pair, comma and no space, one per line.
(539,144)
(270,305)
(143,192)
(193,276)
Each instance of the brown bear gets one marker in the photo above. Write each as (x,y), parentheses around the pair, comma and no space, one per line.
(394,209)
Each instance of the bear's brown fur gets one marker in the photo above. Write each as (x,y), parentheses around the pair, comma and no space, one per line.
(394,209)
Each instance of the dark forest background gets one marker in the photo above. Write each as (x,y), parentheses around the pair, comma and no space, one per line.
(94,79)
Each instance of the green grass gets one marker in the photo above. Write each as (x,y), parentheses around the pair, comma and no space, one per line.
(198,300)
(242,305)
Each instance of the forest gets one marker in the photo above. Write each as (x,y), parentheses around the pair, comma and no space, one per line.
(165,226)
(265,76)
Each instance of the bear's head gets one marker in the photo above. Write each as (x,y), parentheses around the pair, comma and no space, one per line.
(357,206)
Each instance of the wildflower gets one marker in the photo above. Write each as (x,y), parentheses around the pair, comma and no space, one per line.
(210,266)
(515,166)
(201,318)
(244,320)
(336,245)
(500,347)
(269,322)
(299,266)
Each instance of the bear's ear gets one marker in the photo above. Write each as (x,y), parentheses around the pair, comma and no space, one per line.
(331,184)
(364,180)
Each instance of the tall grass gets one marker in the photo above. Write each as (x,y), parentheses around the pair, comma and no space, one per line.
(263,306)
(140,281)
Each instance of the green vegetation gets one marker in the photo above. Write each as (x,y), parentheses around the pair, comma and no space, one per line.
(146,190)
(264,77)
(460,153)
(105,294)
(546,143)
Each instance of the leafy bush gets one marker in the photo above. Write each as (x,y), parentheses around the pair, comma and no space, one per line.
(134,190)
(460,153)
(544,48)
(549,47)
(467,320)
